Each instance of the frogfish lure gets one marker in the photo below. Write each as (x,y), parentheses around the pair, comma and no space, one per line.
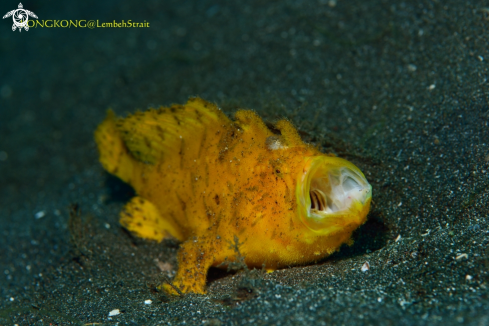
(207,180)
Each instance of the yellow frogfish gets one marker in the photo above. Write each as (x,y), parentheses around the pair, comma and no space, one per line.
(207,180)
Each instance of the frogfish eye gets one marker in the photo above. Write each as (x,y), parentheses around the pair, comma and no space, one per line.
(332,193)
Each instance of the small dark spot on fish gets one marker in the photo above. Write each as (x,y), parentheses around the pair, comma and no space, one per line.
(147,142)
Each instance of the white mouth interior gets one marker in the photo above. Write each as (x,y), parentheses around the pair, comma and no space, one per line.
(335,190)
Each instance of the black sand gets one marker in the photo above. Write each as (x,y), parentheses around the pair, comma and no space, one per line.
(398,88)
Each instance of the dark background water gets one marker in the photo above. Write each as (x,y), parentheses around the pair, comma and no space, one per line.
(399,88)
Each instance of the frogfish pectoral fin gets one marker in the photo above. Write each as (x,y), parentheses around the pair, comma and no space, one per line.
(195,257)
(141,217)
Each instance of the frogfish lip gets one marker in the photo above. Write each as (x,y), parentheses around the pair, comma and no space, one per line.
(332,195)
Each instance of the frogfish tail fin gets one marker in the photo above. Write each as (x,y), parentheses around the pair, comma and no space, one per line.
(114,155)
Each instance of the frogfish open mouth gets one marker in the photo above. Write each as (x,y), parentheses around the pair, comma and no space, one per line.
(207,180)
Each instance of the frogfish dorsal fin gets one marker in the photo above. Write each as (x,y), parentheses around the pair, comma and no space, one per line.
(152,136)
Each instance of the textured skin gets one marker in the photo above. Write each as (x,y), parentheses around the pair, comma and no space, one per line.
(207,180)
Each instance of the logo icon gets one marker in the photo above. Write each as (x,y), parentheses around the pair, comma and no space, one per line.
(20,17)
